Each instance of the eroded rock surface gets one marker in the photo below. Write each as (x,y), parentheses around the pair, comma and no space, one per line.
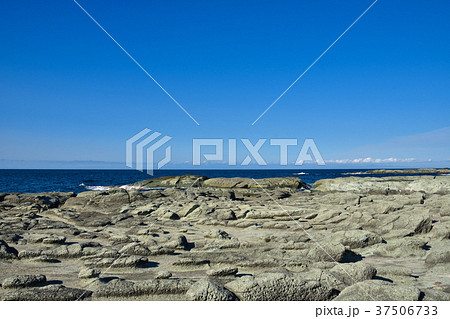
(194,238)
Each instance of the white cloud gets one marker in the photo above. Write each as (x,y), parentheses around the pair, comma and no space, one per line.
(373,160)
(434,144)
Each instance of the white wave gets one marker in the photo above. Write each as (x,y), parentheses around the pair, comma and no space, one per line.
(128,187)
(97,188)
(355,173)
(107,188)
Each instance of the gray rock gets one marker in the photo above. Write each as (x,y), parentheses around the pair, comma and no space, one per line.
(55,240)
(135,249)
(29,253)
(48,293)
(378,290)
(355,272)
(44,259)
(207,290)
(155,251)
(414,227)
(267,183)
(125,288)
(435,295)
(180,242)
(122,262)
(392,271)
(191,262)
(341,275)
(356,238)
(63,251)
(218,234)
(403,247)
(185,211)
(7,252)
(439,254)
(22,281)
(279,287)
(384,185)
(86,273)
(221,272)
(410,223)
(172,181)
(237,182)
(227,214)
(325,277)
(165,274)
(171,215)
(327,252)
(409,171)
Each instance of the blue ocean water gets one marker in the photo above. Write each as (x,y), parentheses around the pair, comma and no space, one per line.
(79,180)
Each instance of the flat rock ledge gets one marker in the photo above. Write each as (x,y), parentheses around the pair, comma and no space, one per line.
(48,293)
(409,171)
(386,185)
(220,182)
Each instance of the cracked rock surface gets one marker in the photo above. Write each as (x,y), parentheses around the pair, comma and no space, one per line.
(195,238)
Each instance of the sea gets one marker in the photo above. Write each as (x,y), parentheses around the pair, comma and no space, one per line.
(80,180)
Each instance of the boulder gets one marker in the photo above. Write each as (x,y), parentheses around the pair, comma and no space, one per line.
(164,274)
(171,181)
(406,223)
(207,290)
(377,290)
(356,238)
(122,262)
(279,287)
(186,210)
(125,288)
(221,272)
(180,242)
(439,253)
(354,272)
(41,200)
(435,295)
(393,271)
(7,252)
(135,249)
(327,252)
(48,293)
(86,273)
(54,240)
(22,281)
(217,234)
(402,247)
(341,275)
(236,182)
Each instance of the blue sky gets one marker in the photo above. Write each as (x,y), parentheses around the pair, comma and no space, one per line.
(68,93)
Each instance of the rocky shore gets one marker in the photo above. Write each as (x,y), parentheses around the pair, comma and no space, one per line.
(413,171)
(195,238)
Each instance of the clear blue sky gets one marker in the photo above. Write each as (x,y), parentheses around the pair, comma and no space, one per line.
(68,93)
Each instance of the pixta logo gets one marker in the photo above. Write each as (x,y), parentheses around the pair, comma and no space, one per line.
(309,146)
(140,150)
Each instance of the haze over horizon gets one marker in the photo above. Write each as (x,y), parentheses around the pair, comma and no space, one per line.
(379,97)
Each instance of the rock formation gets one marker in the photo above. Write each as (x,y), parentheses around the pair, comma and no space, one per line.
(198,238)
